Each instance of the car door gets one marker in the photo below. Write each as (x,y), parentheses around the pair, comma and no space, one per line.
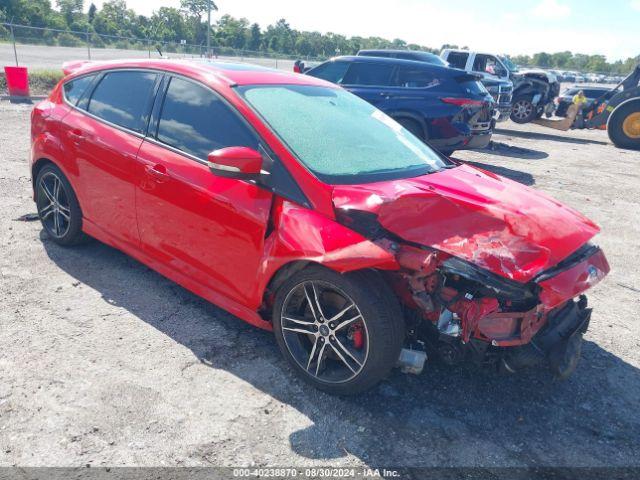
(104,133)
(206,227)
(371,81)
(416,90)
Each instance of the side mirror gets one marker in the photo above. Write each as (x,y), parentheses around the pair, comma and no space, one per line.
(235,162)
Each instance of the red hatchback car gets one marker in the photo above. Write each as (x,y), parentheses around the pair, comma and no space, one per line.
(301,208)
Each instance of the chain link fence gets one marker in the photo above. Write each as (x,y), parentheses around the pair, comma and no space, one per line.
(48,48)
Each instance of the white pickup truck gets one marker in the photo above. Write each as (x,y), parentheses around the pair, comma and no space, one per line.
(534,90)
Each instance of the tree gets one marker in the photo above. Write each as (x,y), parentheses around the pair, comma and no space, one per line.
(70,9)
(91,14)
(255,38)
(195,10)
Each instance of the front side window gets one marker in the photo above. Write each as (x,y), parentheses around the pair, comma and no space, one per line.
(74,89)
(122,98)
(330,71)
(197,121)
(375,74)
(339,137)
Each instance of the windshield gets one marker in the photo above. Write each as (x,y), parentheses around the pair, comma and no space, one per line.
(509,64)
(339,137)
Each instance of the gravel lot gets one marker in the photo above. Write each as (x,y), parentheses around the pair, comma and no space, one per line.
(104,362)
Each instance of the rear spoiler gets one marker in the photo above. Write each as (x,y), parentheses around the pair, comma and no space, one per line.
(73,66)
(468,77)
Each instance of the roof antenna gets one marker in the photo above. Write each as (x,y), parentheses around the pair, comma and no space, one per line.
(158,49)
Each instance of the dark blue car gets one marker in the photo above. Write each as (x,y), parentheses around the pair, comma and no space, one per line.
(446,107)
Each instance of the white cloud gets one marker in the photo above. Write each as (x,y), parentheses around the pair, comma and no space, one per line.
(552,9)
(635,4)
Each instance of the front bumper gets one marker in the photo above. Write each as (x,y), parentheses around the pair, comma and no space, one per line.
(558,343)
(504,112)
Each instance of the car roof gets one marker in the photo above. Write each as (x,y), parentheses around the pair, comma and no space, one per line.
(397,61)
(227,73)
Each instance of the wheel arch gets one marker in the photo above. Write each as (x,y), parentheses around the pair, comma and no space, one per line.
(42,162)
(407,115)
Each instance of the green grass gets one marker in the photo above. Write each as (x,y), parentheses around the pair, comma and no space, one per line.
(40,81)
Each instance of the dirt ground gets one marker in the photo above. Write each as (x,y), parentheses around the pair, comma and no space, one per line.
(104,362)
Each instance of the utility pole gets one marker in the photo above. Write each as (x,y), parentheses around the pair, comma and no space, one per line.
(208,28)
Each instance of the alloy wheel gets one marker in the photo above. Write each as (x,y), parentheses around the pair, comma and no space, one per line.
(324,331)
(522,109)
(53,205)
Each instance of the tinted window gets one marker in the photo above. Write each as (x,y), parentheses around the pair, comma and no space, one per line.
(368,74)
(330,71)
(74,89)
(415,78)
(197,121)
(376,53)
(457,59)
(123,98)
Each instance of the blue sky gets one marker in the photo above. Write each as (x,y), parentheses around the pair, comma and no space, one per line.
(608,27)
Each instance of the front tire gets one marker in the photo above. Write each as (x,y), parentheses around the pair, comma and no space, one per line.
(58,207)
(623,126)
(522,110)
(340,333)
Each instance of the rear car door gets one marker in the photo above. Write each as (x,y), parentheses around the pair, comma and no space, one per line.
(204,226)
(104,133)
(415,92)
(371,81)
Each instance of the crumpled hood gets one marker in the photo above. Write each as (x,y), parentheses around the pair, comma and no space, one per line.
(495,223)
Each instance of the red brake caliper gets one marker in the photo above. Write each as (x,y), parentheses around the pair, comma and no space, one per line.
(357,336)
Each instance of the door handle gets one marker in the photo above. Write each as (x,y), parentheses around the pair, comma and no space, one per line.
(158,172)
(76,136)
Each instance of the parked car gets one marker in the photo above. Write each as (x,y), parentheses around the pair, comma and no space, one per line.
(534,90)
(446,107)
(415,55)
(303,209)
(566,98)
(500,90)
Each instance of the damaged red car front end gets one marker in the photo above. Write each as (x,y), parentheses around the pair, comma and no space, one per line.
(489,269)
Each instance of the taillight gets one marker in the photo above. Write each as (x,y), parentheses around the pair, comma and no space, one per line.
(462,102)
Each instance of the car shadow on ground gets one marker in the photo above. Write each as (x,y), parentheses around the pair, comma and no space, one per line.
(512,151)
(521,177)
(447,416)
(548,136)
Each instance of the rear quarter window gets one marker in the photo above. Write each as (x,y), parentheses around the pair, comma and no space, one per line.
(74,89)
(458,59)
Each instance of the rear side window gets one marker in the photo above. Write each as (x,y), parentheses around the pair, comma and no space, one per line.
(368,74)
(416,78)
(458,59)
(197,121)
(123,98)
(330,71)
(74,89)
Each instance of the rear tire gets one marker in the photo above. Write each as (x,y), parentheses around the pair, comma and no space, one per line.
(523,111)
(623,126)
(339,349)
(58,207)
